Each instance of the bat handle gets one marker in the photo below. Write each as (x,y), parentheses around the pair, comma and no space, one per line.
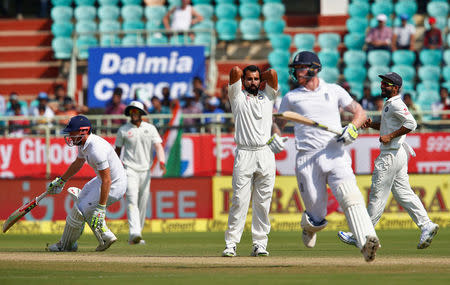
(40,197)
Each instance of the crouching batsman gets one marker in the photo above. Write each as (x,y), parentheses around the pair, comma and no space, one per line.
(321,157)
(91,202)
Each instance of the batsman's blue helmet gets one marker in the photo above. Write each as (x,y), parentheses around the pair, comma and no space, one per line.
(78,123)
(305,58)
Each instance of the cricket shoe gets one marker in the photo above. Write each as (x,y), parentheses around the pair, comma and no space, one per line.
(108,238)
(229,251)
(57,247)
(347,237)
(259,251)
(369,250)
(309,238)
(428,233)
(136,239)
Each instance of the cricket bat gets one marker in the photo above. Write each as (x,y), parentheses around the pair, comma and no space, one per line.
(22,211)
(295,117)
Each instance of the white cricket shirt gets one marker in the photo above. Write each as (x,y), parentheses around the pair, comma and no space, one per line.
(100,155)
(394,115)
(320,105)
(137,144)
(252,114)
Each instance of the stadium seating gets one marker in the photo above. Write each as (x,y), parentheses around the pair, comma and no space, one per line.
(329,74)
(225,2)
(226,29)
(132,25)
(250,11)
(205,40)
(62,47)
(375,88)
(354,41)
(85,26)
(429,73)
(430,57)
(273,10)
(304,41)
(274,27)
(85,13)
(279,58)
(355,58)
(406,57)
(329,40)
(85,2)
(358,9)
(196,2)
(446,56)
(108,13)
(179,39)
(109,39)
(379,57)
(382,8)
(83,43)
(441,23)
(357,89)
(329,58)
(157,40)
(428,85)
(248,1)
(201,27)
(61,14)
(376,70)
(62,29)
(355,74)
(132,2)
(437,9)
(132,12)
(108,2)
(281,42)
(226,11)
(250,29)
(61,2)
(206,10)
(446,73)
(407,72)
(406,7)
(357,25)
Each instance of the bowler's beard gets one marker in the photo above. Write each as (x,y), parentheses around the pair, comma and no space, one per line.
(385,93)
(252,89)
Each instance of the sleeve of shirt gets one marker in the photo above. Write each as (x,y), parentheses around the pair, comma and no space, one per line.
(80,154)
(369,36)
(119,138)
(271,93)
(284,105)
(100,159)
(234,90)
(344,99)
(402,113)
(156,138)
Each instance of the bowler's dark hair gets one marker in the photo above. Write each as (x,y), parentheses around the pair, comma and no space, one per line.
(251,68)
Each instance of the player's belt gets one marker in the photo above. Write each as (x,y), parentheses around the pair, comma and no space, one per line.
(256,147)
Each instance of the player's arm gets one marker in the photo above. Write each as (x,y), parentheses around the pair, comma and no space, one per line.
(271,77)
(235,74)
(73,169)
(166,19)
(370,124)
(196,17)
(160,156)
(105,177)
(359,115)
(400,132)
(408,124)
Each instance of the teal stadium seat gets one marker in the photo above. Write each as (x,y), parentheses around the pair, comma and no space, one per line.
(109,39)
(425,99)
(62,29)
(62,47)
(281,42)
(329,74)
(273,10)
(437,9)
(283,75)
(357,25)
(284,88)
(85,13)
(152,26)
(248,1)
(155,13)
(375,87)
(446,56)
(132,2)
(225,2)
(133,25)
(305,41)
(406,7)
(272,1)
(382,8)
(83,44)
(85,2)
(357,88)
(158,39)
(85,27)
(173,3)
(428,85)
(226,11)
(406,57)
(250,11)
(279,58)
(180,40)
(132,40)
(226,29)
(132,12)
(379,57)
(329,58)
(360,1)
(430,57)
(61,2)
(274,27)
(354,41)
(250,29)
(61,14)
(408,87)
(206,10)
(108,13)
(197,2)
(376,70)
(407,72)
(200,28)
(358,9)
(429,73)
(355,74)
(446,73)
(108,2)
(205,40)
(329,40)
(355,58)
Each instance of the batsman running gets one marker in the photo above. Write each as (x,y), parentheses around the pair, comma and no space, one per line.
(321,156)
(136,138)
(254,162)
(391,166)
(91,202)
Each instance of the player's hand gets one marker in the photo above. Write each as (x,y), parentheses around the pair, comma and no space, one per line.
(276,143)
(385,139)
(162,166)
(56,186)
(367,123)
(98,217)
(349,134)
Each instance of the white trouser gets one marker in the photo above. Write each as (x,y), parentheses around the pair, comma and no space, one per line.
(331,165)
(138,192)
(391,173)
(253,174)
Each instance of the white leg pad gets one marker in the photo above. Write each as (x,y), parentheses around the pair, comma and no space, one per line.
(351,201)
(73,229)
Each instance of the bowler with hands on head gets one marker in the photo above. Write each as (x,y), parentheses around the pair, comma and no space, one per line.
(391,166)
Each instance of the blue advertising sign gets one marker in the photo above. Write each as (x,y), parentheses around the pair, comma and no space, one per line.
(143,70)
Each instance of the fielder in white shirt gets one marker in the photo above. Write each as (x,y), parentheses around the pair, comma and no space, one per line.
(321,156)
(136,138)
(254,163)
(105,189)
(391,166)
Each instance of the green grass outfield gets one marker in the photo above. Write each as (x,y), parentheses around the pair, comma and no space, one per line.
(194,258)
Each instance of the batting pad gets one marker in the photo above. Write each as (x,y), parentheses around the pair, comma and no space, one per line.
(308,225)
(351,201)
(73,229)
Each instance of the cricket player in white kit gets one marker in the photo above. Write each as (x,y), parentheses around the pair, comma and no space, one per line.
(254,163)
(136,139)
(106,188)
(391,166)
(321,157)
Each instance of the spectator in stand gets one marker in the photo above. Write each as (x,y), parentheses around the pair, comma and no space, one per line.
(69,110)
(42,109)
(413,108)
(190,108)
(158,108)
(404,36)
(18,127)
(166,97)
(367,99)
(116,107)
(198,99)
(225,104)
(154,2)
(13,99)
(212,107)
(433,36)
(182,17)
(57,103)
(379,37)
(440,105)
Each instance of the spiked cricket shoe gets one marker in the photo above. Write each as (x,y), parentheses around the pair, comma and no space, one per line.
(370,248)
(259,251)
(347,237)
(428,233)
(229,251)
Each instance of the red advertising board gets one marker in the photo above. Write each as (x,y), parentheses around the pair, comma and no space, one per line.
(171,198)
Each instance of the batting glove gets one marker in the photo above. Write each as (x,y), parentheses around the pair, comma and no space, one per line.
(56,186)
(98,217)
(276,143)
(349,134)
